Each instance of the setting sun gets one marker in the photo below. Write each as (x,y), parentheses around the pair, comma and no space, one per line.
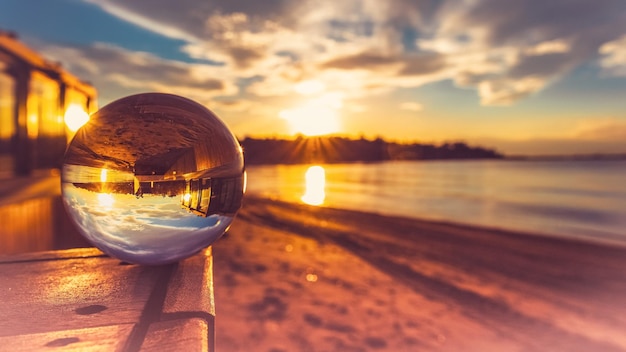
(311,120)
(309,87)
(318,116)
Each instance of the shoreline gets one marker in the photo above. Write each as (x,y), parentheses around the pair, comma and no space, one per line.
(541,198)
(607,240)
(298,278)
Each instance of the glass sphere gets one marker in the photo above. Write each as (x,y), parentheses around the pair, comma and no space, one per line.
(153,178)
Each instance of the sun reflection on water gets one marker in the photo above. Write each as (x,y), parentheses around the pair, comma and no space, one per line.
(315,182)
(105,200)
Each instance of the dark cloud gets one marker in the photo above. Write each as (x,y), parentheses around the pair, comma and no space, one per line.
(543,65)
(423,64)
(520,21)
(267,9)
(408,65)
(413,13)
(246,57)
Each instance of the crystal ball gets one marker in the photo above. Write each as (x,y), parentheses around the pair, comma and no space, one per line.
(153,178)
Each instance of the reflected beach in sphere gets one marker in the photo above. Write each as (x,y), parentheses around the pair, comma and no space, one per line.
(153,178)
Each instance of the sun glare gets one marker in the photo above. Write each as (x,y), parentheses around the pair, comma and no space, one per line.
(309,87)
(316,117)
(75,117)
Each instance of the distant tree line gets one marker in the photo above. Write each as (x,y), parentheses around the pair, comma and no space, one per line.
(305,150)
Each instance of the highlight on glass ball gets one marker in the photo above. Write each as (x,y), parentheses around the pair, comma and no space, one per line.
(153,178)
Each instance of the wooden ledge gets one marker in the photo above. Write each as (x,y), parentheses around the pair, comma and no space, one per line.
(81,299)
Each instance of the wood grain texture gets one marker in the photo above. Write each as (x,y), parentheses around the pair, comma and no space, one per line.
(43,296)
(103,338)
(191,287)
(72,296)
(177,335)
(52,255)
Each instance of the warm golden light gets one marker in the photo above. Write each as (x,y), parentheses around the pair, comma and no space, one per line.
(317,117)
(75,117)
(32,126)
(309,87)
(105,200)
(103,175)
(187,197)
(315,182)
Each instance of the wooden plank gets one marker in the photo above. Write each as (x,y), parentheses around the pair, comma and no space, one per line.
(102,338)
(66,294)
(177,335)
(191,288)
(51,295)
(52,255)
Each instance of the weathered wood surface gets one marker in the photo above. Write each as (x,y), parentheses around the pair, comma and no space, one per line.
(177,335)
(80,299)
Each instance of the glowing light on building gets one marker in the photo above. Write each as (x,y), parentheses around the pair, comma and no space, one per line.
(32,126)
(75,117)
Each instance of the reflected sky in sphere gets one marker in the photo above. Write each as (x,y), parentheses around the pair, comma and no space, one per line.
(153,178)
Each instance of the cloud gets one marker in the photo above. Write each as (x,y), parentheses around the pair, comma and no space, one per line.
(506,91)
(613,59)
(367,61)
(510,50)
(505,50)
(119,70)
(549,47)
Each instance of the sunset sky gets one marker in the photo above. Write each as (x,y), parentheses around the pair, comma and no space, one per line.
(522,76)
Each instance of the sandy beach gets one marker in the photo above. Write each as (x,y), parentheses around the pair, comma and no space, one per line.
(299,278)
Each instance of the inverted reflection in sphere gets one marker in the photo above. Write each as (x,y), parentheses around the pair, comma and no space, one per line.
(153,178)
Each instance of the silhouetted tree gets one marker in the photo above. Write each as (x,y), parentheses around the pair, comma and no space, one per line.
(343,150)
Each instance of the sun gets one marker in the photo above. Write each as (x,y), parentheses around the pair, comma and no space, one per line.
(311,120)
(318,116)
(75,117)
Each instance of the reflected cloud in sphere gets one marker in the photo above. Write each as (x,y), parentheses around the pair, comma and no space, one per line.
(153,178)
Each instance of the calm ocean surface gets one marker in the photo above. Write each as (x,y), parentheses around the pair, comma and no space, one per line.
(584,199)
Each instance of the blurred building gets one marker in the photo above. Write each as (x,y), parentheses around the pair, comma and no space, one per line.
(208,196)
(41,106)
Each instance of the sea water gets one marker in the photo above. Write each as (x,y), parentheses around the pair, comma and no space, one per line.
(583,199)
